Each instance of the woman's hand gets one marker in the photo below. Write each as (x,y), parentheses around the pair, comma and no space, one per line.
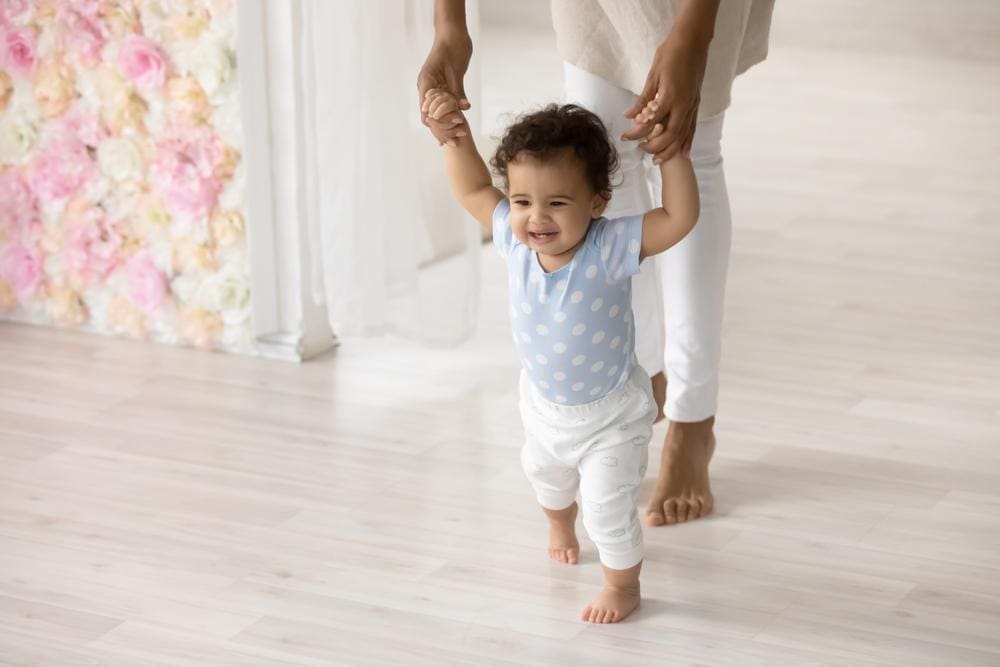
(445,69)
(670,97)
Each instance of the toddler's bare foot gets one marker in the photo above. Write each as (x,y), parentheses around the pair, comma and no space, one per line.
(618,599)
(563,545)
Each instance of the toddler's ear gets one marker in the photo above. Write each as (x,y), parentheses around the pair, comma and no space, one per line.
(598,204)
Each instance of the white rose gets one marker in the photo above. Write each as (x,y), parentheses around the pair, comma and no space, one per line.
(17,137)
(227,291)
(184,287)
(120,159)
(212,65)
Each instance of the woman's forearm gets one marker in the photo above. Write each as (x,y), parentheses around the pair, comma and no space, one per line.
(696,21)
(449,17)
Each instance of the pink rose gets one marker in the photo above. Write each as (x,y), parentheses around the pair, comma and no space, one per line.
(146,283)
(141,61)
(90,244)
(185,169)
(91,9)
(84,33)
(18,208)
(19,50)
(61,168)
(85,126)
(21,267)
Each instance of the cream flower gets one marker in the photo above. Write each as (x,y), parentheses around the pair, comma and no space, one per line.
(7,298)
(201,328)
(111,84)
(189,256)
(187,99)
(120,107)
(227,293)
(188,23)
(226,167)
(17,137)
(6,89)
(152,213)
(228,228)
(55,88)
(212,65)
(126,318)
(120,159)
(65,307)
(129,113)
(121,19)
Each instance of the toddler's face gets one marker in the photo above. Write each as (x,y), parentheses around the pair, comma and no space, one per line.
(551,202)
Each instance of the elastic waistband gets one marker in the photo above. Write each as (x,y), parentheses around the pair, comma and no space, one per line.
(636,378)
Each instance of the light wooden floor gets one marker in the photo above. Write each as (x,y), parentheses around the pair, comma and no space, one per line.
(161,506)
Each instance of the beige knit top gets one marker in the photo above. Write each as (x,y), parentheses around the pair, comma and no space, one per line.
(616,39)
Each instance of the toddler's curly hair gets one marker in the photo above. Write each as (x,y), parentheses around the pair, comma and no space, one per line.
(542,134)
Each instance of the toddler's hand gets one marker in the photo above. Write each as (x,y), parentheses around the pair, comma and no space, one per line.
(647,114)
(438,102)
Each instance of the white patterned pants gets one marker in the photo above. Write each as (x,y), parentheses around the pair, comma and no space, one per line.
(677,297)
(599,449)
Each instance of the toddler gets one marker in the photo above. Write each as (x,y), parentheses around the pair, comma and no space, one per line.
(586,404)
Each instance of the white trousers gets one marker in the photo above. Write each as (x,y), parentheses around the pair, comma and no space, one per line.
(599,449)
(677,297)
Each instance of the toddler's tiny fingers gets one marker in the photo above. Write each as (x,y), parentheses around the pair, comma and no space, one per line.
(429,100)
(443,105)
(434,110)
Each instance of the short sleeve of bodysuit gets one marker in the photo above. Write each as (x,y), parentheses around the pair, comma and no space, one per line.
(503,235)
(620,242)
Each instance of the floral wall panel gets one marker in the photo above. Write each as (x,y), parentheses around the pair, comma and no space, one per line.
(121,182)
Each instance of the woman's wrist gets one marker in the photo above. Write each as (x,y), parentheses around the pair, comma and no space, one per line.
(453,32)
(454,41)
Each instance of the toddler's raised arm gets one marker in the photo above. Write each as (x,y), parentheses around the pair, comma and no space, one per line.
(665,226)
(470,179)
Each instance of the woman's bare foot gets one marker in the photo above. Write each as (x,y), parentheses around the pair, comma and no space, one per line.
(659,382)
(618,599)
(682,490)
(563,545)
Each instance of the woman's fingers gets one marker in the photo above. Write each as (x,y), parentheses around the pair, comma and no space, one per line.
(682,139)
(655,132)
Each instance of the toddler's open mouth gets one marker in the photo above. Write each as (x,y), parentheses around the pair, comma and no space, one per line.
(542,237)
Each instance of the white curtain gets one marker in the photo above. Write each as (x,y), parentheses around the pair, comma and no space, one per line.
(392,251)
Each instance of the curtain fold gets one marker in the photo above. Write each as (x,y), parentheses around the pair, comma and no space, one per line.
(392,253)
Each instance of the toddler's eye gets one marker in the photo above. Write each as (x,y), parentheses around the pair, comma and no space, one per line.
(558,203)
(521,202)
